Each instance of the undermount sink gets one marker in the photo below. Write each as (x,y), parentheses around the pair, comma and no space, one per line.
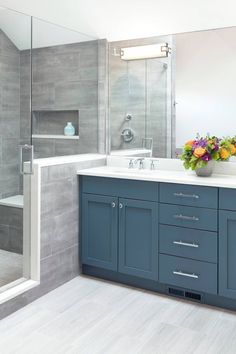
(130,170)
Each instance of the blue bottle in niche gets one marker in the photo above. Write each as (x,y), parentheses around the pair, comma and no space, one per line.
(69,130)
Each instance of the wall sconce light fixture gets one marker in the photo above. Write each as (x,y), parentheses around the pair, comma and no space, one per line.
(161,50)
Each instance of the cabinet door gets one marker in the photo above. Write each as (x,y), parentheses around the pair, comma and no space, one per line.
(138,238)
(227,254)
(99,231)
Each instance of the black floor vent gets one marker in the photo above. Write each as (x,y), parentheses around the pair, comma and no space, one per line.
(176,292)
(193,296)
(186,294)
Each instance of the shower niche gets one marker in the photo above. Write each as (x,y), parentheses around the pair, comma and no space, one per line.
(50,124)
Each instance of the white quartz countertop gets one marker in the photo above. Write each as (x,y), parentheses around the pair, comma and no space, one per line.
(169,176)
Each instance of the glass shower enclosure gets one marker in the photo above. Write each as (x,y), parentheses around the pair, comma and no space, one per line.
(49,77)
(15,145)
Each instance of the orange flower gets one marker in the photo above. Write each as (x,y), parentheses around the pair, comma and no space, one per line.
(189,142)
(224,153)
(233,149)
(199,152)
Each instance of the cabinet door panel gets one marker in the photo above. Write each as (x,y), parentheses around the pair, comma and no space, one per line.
(99,231)
(138,238)
(227,254)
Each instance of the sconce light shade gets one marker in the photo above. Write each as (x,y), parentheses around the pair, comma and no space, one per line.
(160,50)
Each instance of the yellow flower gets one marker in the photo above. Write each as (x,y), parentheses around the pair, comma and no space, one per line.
(224,153)
(233,149)
(199,152)
(189,143)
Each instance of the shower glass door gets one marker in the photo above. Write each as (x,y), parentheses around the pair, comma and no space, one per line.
(15,130)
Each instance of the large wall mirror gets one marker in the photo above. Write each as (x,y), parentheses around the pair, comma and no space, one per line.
(156,104)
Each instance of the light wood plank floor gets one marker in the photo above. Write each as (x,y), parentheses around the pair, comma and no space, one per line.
(11,267)
(90,316)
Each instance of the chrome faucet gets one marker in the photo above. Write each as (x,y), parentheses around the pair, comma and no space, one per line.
(152,165)
(131,163)
(141,162)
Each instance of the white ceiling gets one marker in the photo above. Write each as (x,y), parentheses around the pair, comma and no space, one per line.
(125,19)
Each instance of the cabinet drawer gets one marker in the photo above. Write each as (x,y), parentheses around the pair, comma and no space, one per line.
(120,187)
(196,218)
(183,194)
(189,274)
(196,244)
(227,198)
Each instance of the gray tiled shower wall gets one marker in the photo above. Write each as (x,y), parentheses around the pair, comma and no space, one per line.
(141,88)
(9,116)
(11,229)
(65,77)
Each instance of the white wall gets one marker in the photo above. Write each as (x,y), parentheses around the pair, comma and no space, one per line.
(18,28)
(205,84)
(119,20)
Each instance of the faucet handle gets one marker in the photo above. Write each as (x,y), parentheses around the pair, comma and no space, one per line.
(152,165)
(141,162)
(131,163)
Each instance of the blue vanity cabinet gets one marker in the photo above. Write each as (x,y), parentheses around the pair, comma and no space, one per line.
(227,244)
(188,239)
(171,238)
(120,226)
(138,238)
(99,231)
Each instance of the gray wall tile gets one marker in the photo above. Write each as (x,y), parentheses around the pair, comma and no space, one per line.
(11,229)
(65,78)
(9,116)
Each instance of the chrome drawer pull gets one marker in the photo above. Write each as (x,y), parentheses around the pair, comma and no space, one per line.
(181,243)
(185,217)
(195,196)
(113,204)
(183,274)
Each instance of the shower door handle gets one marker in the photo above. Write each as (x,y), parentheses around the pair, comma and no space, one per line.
(29,149)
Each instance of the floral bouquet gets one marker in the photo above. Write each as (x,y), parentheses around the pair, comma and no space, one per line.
(197,153)
(232,145)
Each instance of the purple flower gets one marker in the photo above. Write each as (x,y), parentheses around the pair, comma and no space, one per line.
(207,157)
(200,143)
